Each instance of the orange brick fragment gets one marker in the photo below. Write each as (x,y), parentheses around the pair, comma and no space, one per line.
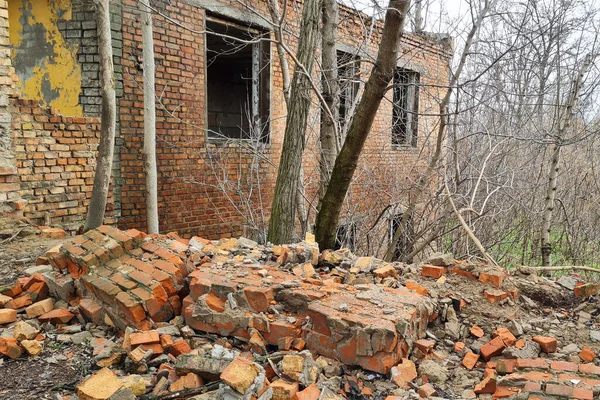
(470,360)
(548,344)
(180,347)
(507,337)
(587,354)
(477,331)
(432,271)
(488,385)
(215,303)
(138,338)
(492,348)
(412,285)
(57,316)
(425,345)
(459,347)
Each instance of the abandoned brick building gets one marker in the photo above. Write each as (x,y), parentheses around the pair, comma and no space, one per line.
(220,114)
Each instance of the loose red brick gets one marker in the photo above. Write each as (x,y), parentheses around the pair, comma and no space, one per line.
(470,360)
(57,316)
(507,337)
(92,310)
(459,347)
(7,315)
(492,348)
(425,345)
(547,344)
(477,331)
(488,385)
(138,338)
(403,373)
(433,271)
(23,300)
(587,354)
(412,285)
(179,347)
(493,278)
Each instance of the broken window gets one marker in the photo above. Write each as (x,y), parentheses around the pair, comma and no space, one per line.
(349,78)
(404,244)
(238,81)
(345,236)
(406,107)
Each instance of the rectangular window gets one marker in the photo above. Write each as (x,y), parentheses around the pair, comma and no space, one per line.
(404,244)
(345,237)
(406,108)
(238,80)
(349,78)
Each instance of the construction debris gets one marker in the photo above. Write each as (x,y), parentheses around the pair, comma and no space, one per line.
(165,316)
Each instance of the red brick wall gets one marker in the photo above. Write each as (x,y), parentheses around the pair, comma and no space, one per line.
(215,192)
(55,160)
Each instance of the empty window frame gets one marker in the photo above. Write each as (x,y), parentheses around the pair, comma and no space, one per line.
(238,77)
(349,80)
(405,108)
(345,236)
(404,244)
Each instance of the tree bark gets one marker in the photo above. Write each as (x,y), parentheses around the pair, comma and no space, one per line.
(149,118)
(331,94)
(347,160)
(563,127)
(106,147)
(283,209)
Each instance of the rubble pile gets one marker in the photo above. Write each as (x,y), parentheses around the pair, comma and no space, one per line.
(231,319)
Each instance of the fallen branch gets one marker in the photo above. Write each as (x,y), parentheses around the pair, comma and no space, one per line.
(468,230)
(532,270)
(12,237)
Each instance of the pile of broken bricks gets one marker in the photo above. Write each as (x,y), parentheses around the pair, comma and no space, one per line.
(240,320)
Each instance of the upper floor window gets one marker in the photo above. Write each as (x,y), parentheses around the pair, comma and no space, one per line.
(238,80)
(406,108)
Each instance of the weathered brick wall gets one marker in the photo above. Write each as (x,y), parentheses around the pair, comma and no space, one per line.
(55,159)
(10,201)
(218,191)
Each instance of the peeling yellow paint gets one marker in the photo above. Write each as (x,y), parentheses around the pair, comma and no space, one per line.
(47,66)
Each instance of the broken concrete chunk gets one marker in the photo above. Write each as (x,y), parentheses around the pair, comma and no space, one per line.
(441,260)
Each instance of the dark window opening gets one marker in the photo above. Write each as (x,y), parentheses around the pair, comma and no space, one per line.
(238,80)
(406,108)
(349,78)
(404,245)
(345,237)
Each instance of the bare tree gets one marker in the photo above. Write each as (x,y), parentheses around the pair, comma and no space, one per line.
(97,207)
(283,210)
(149,118)
(347,159)
(564,125)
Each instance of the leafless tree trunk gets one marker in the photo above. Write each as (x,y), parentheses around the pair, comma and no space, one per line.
(97,207)
(284,207)
(418,16)
(331,93)
(278,18)
(563,127)
(347,160)
(149,118)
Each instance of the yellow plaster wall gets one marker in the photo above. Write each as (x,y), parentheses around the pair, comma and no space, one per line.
(45,63)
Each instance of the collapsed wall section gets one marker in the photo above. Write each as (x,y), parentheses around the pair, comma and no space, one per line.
(234,287)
